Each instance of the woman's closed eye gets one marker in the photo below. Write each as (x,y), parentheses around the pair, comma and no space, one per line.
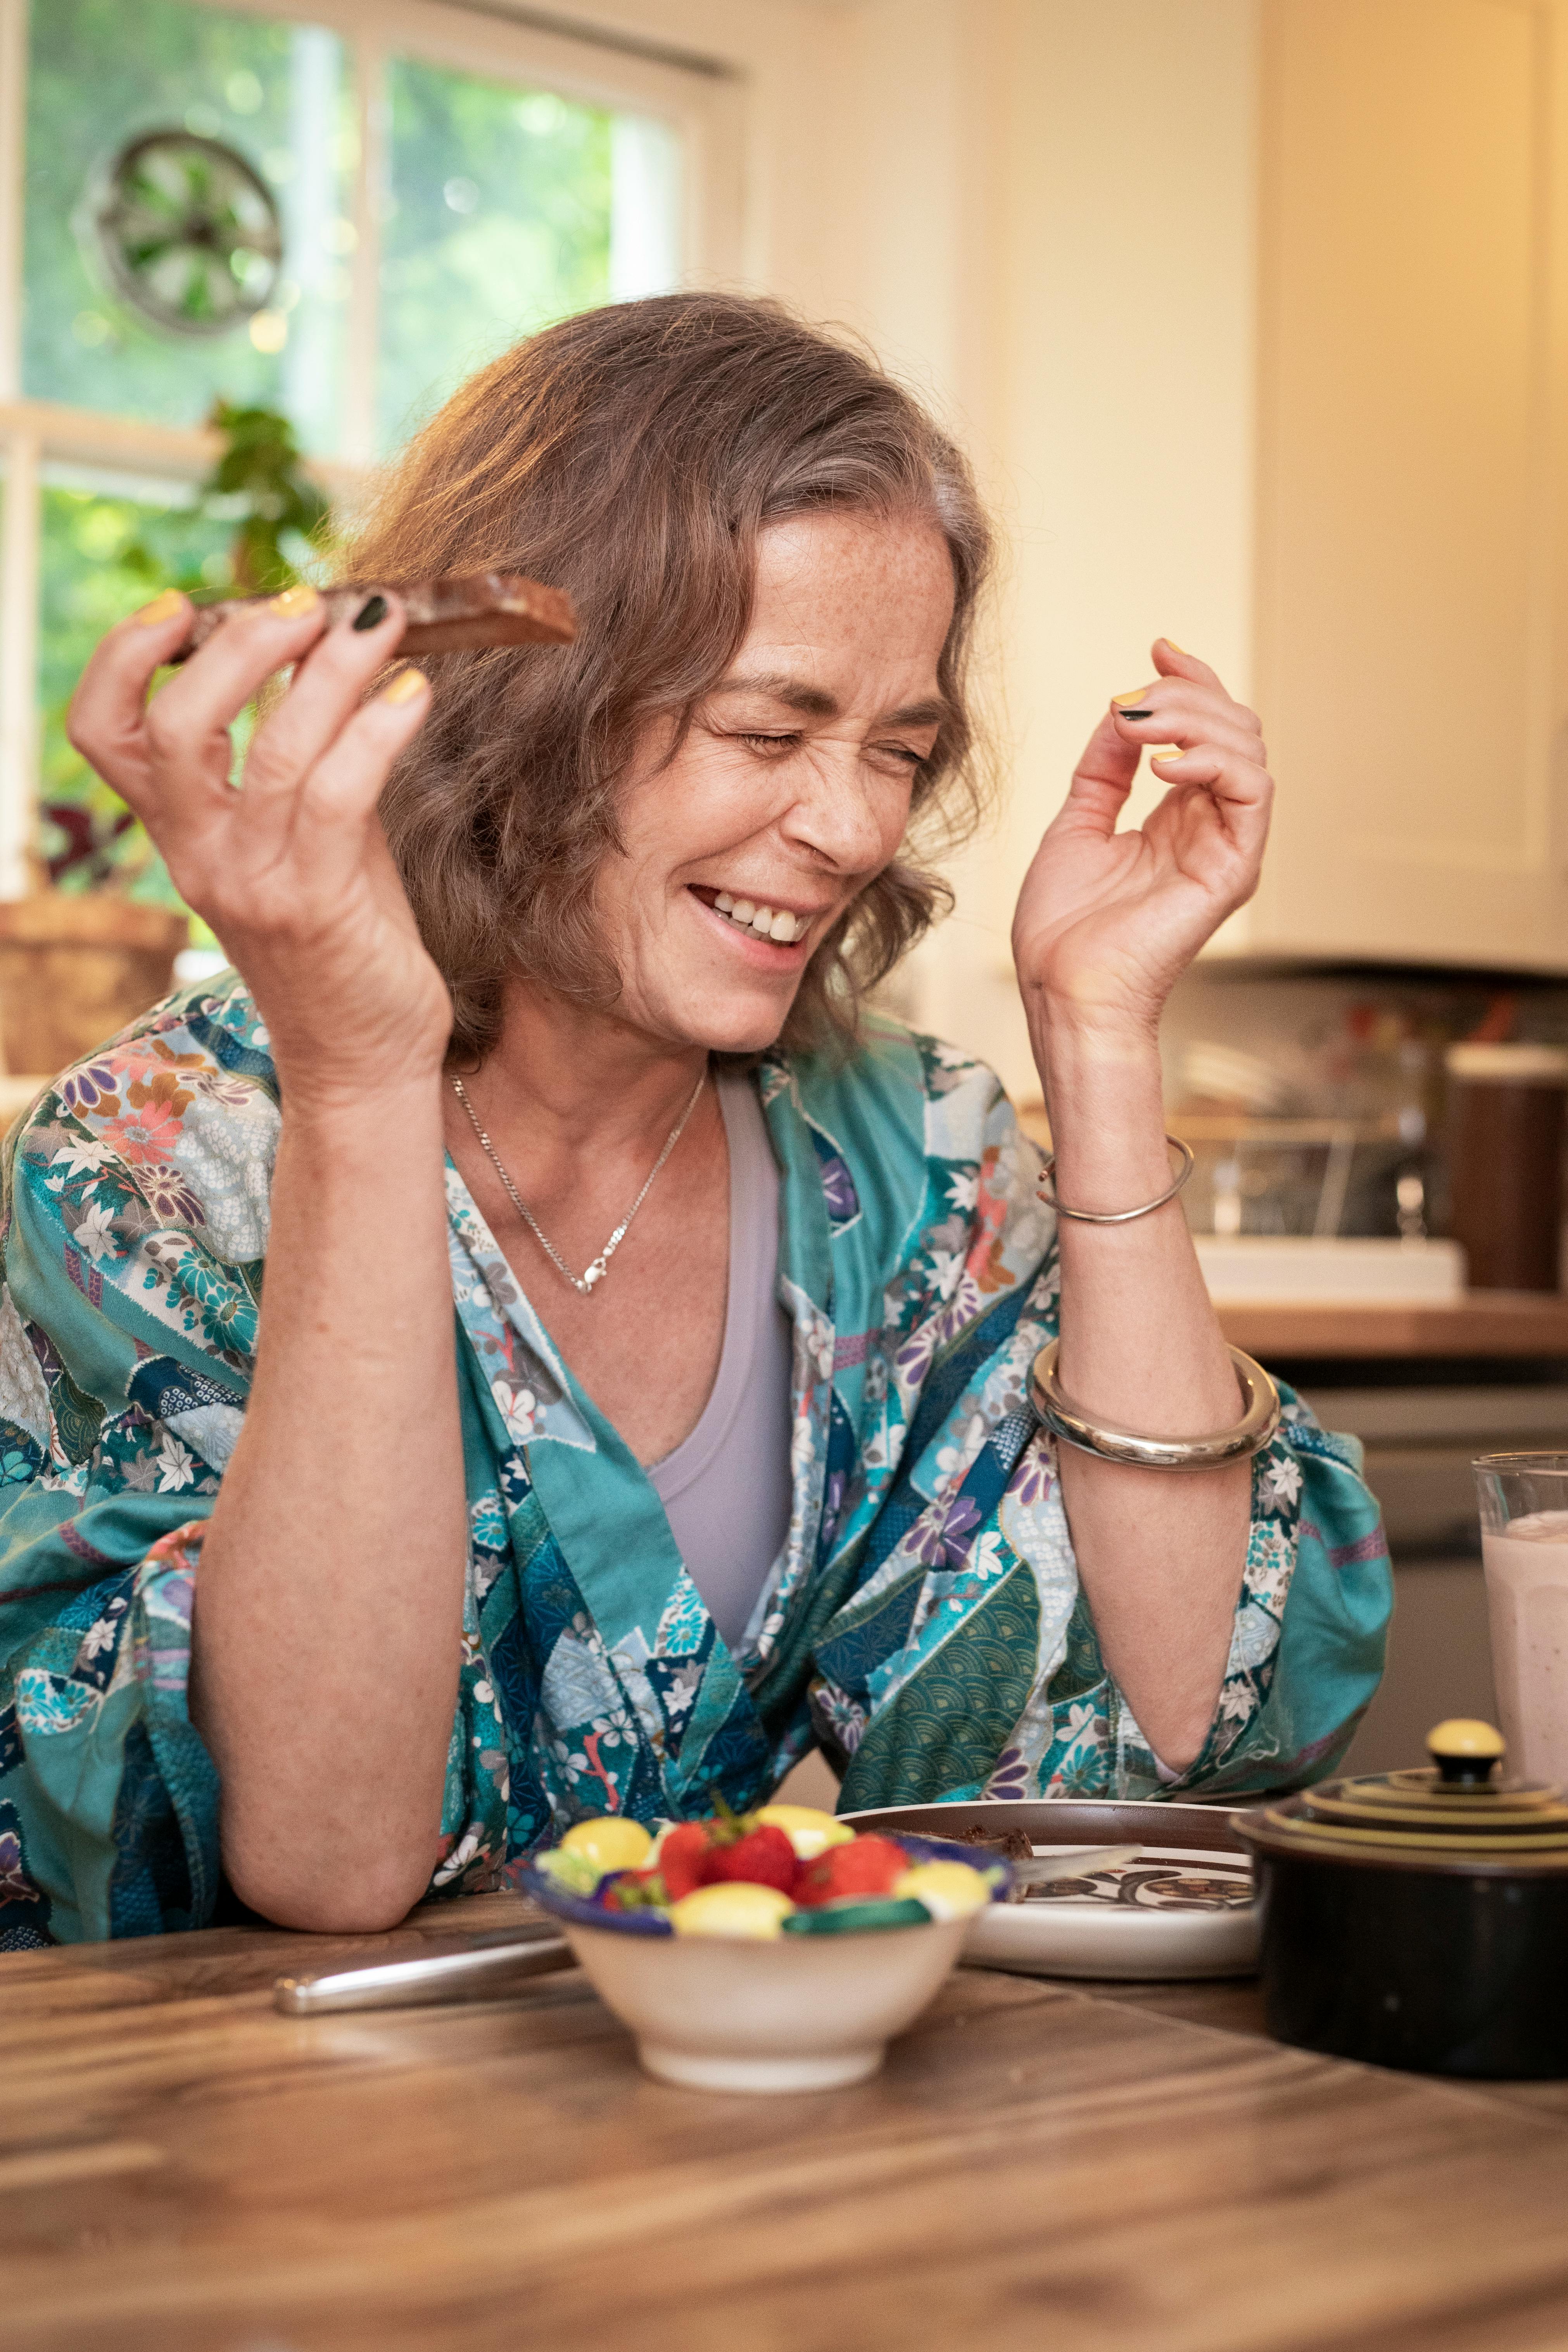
(770,743)
(774,744)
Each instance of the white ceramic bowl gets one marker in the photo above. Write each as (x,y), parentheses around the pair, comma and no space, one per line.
(803,2014)
(798,2013)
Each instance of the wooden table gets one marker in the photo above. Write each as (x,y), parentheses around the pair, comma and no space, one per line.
(1087,2170)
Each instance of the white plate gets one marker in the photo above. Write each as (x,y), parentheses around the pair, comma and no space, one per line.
(1170,1913)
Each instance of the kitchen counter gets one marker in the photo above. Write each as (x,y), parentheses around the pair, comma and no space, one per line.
(1496,1323)
(1120,2169)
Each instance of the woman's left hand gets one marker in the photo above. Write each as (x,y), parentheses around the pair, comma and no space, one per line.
(1107,921)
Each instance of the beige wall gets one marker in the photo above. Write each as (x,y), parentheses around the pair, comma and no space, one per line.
(1051,227)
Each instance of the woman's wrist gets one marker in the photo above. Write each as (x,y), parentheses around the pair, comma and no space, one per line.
(1104,1094)
(342,1115)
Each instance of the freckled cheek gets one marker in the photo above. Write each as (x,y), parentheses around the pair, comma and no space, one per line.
(713,798)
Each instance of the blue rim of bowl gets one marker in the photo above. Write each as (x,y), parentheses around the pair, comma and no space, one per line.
(588,1911)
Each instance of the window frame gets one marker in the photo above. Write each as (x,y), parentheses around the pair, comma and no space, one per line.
(702,101)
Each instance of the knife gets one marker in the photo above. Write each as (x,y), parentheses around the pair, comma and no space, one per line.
(1047,1866)
(478,1972)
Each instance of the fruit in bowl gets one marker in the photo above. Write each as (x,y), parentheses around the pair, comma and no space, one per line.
(772,1950)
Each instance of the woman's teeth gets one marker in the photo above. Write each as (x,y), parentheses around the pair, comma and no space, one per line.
(782,927)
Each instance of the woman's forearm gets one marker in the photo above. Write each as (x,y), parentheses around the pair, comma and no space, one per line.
(329,1611)
(1160,1553)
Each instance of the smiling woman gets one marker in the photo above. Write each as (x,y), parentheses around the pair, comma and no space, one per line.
(676,445)
(643,1394)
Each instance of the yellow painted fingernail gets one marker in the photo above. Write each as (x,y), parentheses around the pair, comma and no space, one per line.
(1175,649)
(1175,752)
(294,603)
(1123,701)
(404,687)
(162,608)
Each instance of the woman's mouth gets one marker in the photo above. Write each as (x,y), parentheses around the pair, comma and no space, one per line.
(778,925)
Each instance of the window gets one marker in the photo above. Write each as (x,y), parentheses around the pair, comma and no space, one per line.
(442,184)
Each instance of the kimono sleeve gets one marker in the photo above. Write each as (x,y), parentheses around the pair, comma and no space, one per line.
(134,1224)
(966,1662)
(1311,1624)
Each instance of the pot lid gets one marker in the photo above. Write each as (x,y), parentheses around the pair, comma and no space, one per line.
(1459,1813)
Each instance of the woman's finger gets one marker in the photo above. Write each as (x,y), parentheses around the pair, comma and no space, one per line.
(1218,850)
(1203,706)
(1187,729)
(1174,661)
(332,813)
(1100,781)
(1239,782)
(1213,797)
(187,723)
(107,719)
(339,798)
(326,691)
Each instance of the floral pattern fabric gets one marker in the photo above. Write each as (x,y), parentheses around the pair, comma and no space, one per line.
(923,1622)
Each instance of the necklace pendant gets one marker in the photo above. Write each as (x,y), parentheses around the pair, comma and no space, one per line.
(583,1284)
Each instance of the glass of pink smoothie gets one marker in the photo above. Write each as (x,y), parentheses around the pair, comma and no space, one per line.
(1524,1550)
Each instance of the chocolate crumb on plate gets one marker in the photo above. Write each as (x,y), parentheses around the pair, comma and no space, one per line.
(1012,1845)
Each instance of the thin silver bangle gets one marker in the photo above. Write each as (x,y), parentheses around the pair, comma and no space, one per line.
(1117,1216)
(1247,1436)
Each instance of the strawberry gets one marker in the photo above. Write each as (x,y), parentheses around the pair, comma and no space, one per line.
(762,1856)
(868,1866)
(682,1853)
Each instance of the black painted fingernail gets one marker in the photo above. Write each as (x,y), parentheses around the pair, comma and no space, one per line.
(371,614)
(1121,713)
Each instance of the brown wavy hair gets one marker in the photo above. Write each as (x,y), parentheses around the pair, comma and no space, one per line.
(631,455)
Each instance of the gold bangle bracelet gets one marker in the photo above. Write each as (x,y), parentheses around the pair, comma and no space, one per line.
(1246,1437)
(1115,1216)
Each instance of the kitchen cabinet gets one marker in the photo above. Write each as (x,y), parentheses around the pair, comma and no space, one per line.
(1412,409)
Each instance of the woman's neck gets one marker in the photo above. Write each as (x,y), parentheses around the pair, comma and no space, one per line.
(582,1080)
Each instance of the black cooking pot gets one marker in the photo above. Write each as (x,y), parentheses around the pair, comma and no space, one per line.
(1419,1919)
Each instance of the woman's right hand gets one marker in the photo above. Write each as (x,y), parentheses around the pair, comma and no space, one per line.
(291,870)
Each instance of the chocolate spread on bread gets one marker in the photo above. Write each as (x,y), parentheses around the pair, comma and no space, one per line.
(449,614)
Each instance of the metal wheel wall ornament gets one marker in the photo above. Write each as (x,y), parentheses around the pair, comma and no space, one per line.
(188,234)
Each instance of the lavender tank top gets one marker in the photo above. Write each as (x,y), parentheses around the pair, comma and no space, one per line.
(726,1488)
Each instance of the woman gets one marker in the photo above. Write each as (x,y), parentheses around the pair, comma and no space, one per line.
(547,947)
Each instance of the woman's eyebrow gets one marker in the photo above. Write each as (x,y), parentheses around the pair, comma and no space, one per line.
(814,702)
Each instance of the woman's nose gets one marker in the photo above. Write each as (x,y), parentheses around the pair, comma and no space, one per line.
(838,812)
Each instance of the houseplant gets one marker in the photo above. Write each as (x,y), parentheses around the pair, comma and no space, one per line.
(96,941)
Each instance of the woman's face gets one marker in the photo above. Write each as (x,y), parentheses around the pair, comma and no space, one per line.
(791,788)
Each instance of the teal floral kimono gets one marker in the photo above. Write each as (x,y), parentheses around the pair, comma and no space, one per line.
(923,1623)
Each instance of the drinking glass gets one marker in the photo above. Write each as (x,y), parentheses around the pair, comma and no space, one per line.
(1524,1550)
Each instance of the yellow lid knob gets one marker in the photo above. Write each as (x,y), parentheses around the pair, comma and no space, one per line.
(1464,1735)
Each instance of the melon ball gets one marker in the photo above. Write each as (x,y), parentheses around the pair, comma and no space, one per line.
(950,1890)
(612,1843)
(733,1906)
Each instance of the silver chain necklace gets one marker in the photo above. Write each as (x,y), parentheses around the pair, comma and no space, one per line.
(582,1283)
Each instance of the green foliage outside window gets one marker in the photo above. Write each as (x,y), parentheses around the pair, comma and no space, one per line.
(254,522)
(100,557)
(498,221)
